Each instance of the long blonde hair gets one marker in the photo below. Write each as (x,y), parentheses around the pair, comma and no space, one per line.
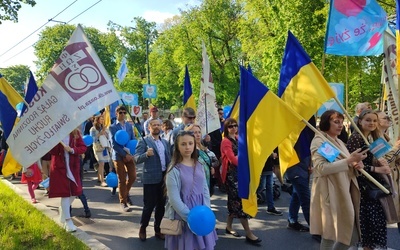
(190,128)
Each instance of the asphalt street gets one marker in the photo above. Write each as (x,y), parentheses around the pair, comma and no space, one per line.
(110,228)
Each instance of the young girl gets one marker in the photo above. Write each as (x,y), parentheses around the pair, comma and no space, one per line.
(186,188)
(32,177)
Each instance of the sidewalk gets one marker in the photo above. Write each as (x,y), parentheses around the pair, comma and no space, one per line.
(110,228)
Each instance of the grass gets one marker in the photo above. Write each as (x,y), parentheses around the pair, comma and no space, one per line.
(24,227)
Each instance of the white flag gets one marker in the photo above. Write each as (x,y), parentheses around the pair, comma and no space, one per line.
(77,87)
(207,111)
(123,70)
(389,75)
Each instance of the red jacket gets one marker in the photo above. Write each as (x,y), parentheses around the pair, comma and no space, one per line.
(60,185)
(227,156)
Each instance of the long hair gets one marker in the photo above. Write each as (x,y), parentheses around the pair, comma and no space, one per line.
(96,122)
(190,128)
(176,156)
(376,133)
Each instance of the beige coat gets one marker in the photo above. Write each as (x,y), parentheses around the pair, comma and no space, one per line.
(394,157)
(335,196)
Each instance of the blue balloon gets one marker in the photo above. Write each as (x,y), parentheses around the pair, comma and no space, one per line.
(88,140)
(201,220)
(132,146)
(112,180)
(121,137)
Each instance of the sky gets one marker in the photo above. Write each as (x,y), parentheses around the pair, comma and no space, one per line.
(32,18)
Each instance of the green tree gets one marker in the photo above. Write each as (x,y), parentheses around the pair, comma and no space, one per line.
(52,41)
(17,76)
(9,9)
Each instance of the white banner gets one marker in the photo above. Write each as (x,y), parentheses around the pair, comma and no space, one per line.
(77,87)
(389,75)
(207,111)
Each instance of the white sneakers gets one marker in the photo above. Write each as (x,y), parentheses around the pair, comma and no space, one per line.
(68,225)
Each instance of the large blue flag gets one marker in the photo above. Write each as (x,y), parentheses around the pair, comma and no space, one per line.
(31,90)
(258,136)
(355,28)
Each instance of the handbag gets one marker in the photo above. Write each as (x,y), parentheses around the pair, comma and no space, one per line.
(372,191)
(97,147)
(171,227)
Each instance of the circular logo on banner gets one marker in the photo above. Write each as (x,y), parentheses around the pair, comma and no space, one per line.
(80,82)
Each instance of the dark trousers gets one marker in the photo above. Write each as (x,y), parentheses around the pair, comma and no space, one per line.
(153,197)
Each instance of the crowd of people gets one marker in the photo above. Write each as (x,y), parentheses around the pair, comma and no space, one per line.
(182,167)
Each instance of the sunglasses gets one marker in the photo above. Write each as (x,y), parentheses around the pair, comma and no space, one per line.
(191,117)
(233,126)
(122,112)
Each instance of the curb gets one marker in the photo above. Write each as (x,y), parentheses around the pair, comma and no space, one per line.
(79,234)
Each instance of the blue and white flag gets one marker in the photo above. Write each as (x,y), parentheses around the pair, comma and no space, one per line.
(355,28)
(123,70)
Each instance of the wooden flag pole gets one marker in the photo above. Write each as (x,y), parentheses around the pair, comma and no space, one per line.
(351,120)
(372,179)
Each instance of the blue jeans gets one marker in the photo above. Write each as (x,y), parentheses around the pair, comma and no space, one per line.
(266,189)
(300,197)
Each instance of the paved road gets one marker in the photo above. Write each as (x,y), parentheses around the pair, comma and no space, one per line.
(119,230)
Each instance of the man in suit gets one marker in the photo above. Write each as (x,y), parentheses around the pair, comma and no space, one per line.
(123,161)
(155,153)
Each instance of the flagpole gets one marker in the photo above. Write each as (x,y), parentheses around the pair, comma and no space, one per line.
(205,109)
(347,86)
(351,121)
(372,179)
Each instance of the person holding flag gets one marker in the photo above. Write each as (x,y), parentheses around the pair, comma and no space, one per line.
(334,178)
(229,156)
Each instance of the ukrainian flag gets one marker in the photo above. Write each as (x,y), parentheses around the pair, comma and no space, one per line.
(7,119)
(303,87)
(264,121)
(188,98)
(12,95)
(234,113)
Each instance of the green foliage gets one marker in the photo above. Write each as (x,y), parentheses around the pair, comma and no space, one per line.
(11,8)
(24,227)
(235,32)
(52,41)
(17,76)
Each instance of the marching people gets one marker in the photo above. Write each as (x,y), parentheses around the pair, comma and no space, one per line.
(186,187)
(229,152)
(100,136)
(372,217)
(65,174)
(123,162)
(335,200)
(155,153)
(393,157)
(207,158)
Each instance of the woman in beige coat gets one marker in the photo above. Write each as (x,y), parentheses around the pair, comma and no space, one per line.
(335,196)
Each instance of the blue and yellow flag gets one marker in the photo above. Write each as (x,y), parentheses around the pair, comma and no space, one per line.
(8,114)
(12,95)
(264,121)
(31,90)
(355,28)
(303,87)
(234,112)
(188,98)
